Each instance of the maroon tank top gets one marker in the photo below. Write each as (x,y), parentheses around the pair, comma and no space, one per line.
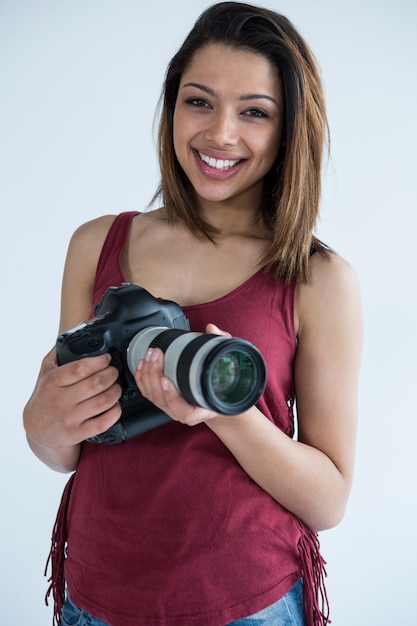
(167,529)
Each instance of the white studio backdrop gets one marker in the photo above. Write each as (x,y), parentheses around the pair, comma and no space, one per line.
(79,84)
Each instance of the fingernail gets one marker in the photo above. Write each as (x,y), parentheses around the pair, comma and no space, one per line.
(148,356)
(139,365)
(165,384)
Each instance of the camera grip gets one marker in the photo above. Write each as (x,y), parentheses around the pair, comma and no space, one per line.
(131,426)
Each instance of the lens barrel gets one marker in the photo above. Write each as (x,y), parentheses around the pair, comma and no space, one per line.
(223,374)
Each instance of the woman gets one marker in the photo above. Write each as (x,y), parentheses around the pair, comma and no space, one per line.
(212,520)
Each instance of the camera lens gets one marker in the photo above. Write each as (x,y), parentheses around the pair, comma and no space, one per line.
(224,374)
(232,375)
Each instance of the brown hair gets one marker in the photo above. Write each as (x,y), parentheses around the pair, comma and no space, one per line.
(292,188)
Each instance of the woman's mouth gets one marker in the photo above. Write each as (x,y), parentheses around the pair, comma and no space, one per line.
(219,164)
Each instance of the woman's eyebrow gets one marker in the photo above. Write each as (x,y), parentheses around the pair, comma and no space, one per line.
(257,96)
(202,87)
(249,96)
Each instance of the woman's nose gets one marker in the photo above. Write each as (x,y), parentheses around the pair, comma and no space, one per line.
(222,129)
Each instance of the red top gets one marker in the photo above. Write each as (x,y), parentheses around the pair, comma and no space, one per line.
(167,529)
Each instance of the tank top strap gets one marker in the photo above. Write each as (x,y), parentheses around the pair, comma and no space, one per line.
(108,272)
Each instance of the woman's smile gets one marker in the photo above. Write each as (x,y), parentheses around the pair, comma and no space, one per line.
(217,168)
(219,164)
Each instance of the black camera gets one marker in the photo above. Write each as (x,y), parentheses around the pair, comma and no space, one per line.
(224,374)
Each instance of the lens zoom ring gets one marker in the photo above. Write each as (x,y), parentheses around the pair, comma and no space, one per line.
(165,338)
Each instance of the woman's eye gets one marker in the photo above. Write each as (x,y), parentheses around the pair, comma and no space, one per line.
(256,113)
(197,102)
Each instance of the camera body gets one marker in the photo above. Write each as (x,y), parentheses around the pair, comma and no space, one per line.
(222,374)
(120,315)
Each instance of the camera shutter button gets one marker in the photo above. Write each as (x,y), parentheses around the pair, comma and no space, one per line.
(93,342)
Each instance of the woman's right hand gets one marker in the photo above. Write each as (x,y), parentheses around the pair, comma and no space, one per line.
(69,404)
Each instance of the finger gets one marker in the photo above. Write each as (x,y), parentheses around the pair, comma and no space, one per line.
(100,423)
(149,372)
(73,430)
(92,387)
(71,373)
(49,361)
(162,392)
(71,405)
(179,409)
(156,387)
(215,330)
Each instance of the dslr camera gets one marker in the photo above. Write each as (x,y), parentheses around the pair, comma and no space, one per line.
(223,374)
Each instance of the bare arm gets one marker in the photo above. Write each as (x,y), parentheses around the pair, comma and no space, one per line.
(80,399)
(312,476)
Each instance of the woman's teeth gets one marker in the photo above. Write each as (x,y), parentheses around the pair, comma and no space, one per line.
(218,164)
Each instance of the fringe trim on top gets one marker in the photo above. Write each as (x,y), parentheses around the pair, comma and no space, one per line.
(316,604)
(313,572)
(57,556)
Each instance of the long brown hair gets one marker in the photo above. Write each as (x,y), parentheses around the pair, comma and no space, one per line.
(292,188)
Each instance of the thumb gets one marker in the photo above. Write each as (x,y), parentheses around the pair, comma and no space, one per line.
(215,330)
(49,361)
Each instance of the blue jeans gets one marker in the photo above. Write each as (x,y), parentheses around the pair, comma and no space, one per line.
(71,615)
(286,612)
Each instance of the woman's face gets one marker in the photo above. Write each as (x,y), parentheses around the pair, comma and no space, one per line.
(228,123)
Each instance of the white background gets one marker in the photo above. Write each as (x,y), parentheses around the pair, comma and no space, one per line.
(79,84)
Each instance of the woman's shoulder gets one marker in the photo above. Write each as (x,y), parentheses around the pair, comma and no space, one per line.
(80,268)
(331,292)
(330,270)
(88,239)
(94,231)
(85,247)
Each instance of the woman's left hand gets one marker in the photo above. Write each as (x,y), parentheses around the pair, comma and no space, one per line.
(162,392)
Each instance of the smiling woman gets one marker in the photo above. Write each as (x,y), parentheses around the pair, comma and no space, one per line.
(211,519)
(292,187)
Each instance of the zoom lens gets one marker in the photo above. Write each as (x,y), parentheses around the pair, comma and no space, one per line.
(223,374)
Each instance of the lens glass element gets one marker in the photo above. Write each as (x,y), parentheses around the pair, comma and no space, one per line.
(233,377)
